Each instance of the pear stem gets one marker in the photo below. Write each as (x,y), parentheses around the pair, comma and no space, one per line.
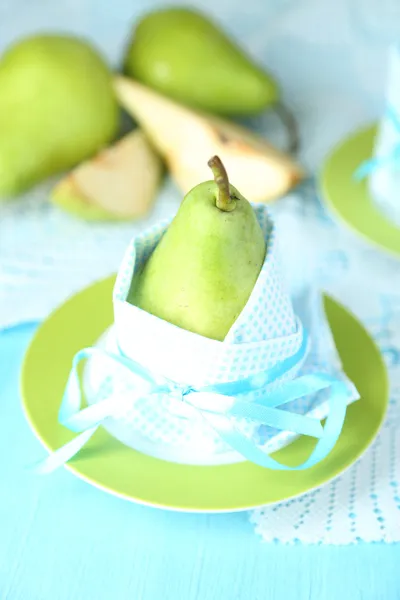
(290,123)
(224,200)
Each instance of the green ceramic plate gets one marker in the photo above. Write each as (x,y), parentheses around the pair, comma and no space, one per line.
(350,200)
(115,468)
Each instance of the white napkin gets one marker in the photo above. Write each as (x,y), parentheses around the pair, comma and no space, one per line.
(384,181)
(266,332)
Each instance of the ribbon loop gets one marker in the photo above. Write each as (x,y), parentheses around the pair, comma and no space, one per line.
(219,405)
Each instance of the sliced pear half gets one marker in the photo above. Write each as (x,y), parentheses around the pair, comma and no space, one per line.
(186,139)
(119,183)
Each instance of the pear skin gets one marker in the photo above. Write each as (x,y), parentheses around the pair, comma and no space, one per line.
(57,108)
(202,272)
(184,55)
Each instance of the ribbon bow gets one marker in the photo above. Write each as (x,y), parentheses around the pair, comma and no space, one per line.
(372,164)
(217,404)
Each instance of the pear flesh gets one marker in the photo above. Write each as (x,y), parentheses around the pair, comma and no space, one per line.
(202,272)
(184,55)
(119,183)
(57,108)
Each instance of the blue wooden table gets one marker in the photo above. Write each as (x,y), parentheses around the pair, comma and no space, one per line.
(61,539)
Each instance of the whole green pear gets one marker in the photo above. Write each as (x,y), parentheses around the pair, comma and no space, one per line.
(181,53)
(202,272)
(57,108)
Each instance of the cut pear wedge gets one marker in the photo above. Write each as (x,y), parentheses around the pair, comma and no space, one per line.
(119,183)
(187,139)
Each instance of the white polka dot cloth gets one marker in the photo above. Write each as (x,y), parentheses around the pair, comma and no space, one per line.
(363,504)
(266,332)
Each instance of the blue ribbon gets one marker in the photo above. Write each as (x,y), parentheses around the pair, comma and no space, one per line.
(369,166)
(222,403)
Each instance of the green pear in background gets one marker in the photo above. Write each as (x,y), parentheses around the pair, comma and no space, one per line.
(202,272)
(181,53)
(57,108)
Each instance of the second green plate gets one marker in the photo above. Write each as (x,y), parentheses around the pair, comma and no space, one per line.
(349,200)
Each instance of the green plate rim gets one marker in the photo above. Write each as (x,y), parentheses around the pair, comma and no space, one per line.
(76,467)
(331,199)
